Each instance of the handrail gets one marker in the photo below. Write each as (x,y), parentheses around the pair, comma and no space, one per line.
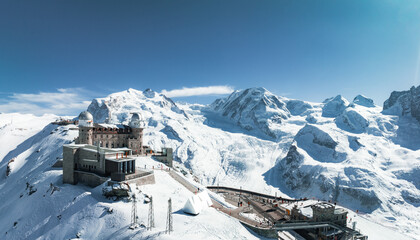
(255,193)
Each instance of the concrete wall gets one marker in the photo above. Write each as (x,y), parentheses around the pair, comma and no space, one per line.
(89,179)
(68,164)
(88,158)
(268,233)
(149,179)
(167,158)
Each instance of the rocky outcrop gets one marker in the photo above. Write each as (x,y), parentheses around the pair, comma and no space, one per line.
(291,170)
(404,103)
(100,111)
(363,101)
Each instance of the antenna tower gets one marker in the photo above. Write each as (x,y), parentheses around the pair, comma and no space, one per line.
(151,218)
(134,213)
(169,224)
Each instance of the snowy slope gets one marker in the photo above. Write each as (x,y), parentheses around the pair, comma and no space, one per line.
(349,152)
(30,210)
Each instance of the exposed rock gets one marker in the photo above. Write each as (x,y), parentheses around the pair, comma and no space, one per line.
(291,171)
(363,101)
(99,110)
(354,143)
(404,103)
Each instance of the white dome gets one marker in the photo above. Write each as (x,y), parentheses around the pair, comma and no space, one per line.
(85,115)
(137,121)
(85,119)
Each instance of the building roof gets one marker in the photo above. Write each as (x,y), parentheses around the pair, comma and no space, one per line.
(109,125)
(323,205)
(340,211)
(85,115)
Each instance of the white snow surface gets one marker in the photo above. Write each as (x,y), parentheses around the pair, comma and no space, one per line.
(371,166)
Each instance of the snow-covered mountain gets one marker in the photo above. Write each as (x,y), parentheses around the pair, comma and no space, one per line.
(254,108)
(355,153)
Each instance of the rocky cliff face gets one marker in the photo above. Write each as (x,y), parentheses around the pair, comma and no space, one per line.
(403,103)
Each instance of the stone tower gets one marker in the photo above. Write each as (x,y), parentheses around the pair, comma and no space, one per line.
(85,128)
(136,139)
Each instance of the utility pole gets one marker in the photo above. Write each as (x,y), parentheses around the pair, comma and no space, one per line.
(151,218)
(134,213)
(169,224)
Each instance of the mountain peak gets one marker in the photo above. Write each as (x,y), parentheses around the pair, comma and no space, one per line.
(334,106)
(253,108)
(363,101)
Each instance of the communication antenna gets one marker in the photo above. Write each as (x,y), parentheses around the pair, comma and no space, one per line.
(134,224)
(151,218)
(169,224)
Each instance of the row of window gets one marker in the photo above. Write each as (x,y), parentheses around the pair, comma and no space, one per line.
(87,166)
(124,130)
(112,145)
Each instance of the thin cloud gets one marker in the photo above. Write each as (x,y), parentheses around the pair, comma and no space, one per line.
(198,91)
(66,101)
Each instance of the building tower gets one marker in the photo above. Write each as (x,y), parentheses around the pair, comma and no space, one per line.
(85,128)
(136,139)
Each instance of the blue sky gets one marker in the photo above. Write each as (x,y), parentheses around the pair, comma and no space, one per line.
(307,50)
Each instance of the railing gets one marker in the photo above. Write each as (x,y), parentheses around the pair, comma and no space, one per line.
(254,193)
(124,177)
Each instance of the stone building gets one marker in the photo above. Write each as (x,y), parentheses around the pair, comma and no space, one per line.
(320,212)
(112,135)
(94,165)
(104,151)
(327,212)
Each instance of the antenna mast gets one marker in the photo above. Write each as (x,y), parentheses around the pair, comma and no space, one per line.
(134,213)
(151,218)
(169,224)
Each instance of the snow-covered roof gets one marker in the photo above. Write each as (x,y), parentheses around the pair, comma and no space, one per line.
(340,211)
(306,211)
(85,115)
(109,125)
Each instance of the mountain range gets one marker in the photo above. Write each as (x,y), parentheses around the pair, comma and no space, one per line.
(363,156)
